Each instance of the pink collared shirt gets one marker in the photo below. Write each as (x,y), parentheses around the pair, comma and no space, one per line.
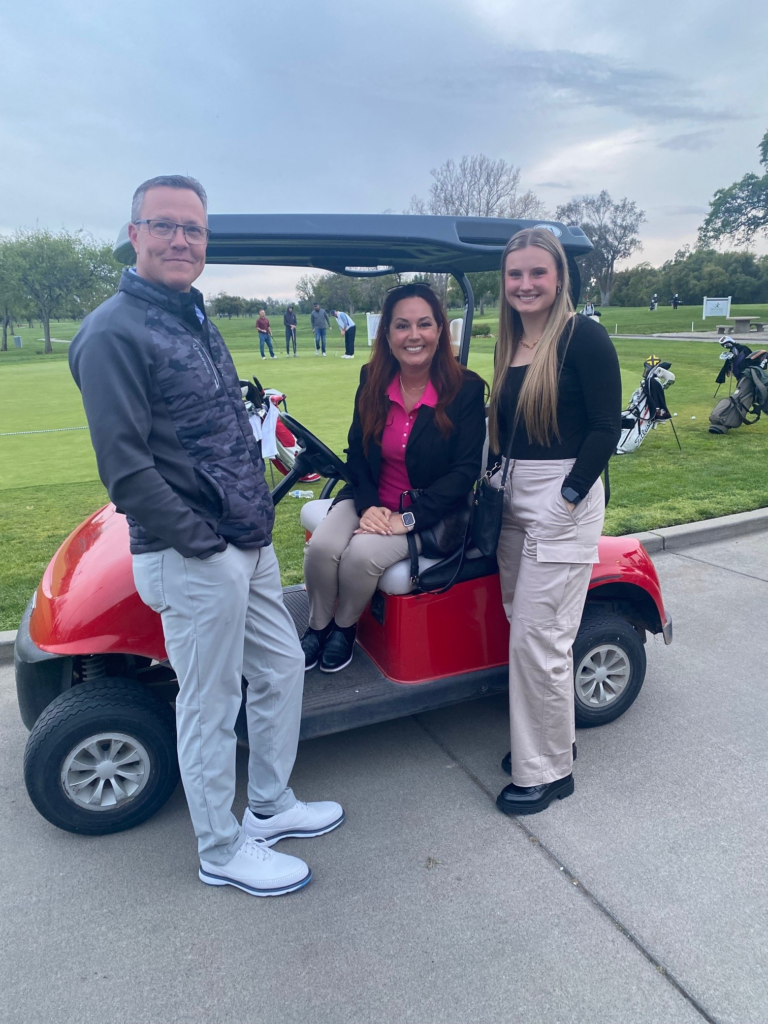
(393,478)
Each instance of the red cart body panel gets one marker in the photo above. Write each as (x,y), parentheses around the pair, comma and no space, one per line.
(87,604)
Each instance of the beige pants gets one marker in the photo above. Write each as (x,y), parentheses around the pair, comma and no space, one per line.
(342,570)
(545,557)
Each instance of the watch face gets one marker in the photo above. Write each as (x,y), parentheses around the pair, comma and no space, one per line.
(408,519)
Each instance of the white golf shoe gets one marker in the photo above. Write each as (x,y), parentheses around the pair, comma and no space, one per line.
(299,822)
(258,870)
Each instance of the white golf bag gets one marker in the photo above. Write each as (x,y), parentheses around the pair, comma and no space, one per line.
(647,406)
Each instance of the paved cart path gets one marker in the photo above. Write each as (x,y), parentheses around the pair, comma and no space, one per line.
(428,905)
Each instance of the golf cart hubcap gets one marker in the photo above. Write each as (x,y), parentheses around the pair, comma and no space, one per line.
(105,770)
(602,675)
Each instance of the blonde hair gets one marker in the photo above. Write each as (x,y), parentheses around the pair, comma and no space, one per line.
(537,406)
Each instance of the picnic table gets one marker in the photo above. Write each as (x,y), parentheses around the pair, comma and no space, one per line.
(742,324)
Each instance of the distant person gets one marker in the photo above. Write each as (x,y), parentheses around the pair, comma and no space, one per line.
(675,301)
(178,457)
(348,329)
(265,334)
(289,320)
(320,322)
(589,308)
(654,302)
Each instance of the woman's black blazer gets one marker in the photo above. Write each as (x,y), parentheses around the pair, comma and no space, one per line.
(444,467)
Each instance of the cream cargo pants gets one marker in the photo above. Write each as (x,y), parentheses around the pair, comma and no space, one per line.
(545,557)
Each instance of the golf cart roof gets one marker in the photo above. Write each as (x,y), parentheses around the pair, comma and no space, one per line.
(364,244)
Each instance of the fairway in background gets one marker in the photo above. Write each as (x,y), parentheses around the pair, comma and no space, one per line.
(49,484)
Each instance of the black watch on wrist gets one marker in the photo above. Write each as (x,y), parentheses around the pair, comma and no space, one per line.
(408,520)
(570,495)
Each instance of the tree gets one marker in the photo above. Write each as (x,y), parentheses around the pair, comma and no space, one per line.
(477,187)
(61,273)
(740,211)
(10,298)
(228,305)
(693,273)
(613,230)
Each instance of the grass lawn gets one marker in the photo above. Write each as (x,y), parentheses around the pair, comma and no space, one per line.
(48,481)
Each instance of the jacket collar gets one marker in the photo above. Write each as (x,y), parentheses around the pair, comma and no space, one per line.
(178,304)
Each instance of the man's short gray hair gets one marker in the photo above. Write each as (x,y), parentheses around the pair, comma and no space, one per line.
(167,181)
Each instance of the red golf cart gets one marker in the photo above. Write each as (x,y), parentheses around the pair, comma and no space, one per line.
(93,681)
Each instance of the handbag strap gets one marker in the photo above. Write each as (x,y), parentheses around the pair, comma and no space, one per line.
(508,457)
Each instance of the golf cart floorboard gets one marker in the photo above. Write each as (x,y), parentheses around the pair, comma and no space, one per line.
(362,695)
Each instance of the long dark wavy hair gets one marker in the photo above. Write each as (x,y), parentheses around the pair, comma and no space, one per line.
(446,374)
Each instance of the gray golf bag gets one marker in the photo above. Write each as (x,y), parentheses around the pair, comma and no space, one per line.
(748,402)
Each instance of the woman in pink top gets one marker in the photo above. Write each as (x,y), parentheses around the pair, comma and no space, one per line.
(419,423)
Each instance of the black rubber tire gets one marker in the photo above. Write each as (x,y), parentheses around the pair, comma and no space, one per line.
(597,628)
(121,705)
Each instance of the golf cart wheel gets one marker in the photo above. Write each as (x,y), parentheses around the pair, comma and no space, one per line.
(102,757)
(608,667)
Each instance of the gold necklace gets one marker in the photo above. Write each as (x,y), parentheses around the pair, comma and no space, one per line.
(525,344)
(412,390)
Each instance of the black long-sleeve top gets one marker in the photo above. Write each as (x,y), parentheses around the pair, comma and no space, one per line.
(588,406)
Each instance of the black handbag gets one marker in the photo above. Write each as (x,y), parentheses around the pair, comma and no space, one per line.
(446,538)
(488,509)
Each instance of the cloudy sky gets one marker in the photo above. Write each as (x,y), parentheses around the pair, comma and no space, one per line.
(345,105)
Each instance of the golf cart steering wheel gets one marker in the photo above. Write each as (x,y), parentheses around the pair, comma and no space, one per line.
(316,458)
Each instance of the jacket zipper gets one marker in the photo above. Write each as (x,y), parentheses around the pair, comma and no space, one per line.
(209,363)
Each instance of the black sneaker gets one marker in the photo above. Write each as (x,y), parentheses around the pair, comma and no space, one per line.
(338,649)
(312,644)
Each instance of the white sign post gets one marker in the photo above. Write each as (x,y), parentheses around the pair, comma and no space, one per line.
(716,307)
(372,320)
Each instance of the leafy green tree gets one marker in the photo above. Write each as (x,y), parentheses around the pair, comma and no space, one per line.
(227,305)
(61,273)
(11,302)
(693,273)
(613,230)
(739,212)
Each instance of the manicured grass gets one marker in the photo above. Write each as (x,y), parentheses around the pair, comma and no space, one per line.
(665,320)
(48,482)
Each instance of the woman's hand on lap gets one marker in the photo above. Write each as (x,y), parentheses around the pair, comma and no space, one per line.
(375,519)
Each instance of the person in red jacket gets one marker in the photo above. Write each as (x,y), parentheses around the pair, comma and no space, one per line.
(265,334)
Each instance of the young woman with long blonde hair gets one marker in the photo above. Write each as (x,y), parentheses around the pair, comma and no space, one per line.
(556,399)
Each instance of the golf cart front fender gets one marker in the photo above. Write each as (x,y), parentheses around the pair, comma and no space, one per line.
(40,675)
(87,601)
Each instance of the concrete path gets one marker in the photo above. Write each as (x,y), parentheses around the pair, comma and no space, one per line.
(642,898)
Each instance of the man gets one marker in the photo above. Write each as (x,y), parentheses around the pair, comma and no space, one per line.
(265,334)
(320,322)
(348,329)
(289,322)
(177,454)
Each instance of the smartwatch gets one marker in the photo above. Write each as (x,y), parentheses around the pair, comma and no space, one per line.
(571,495)
(409,520)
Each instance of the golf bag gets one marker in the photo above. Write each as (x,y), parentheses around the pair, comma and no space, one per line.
(279,446)
(734,357)
(647,406)
(750,399)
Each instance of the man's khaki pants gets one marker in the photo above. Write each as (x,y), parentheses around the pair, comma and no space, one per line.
(545,558)
(224,618)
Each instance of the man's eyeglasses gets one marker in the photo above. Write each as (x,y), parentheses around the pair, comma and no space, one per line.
(167,229)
